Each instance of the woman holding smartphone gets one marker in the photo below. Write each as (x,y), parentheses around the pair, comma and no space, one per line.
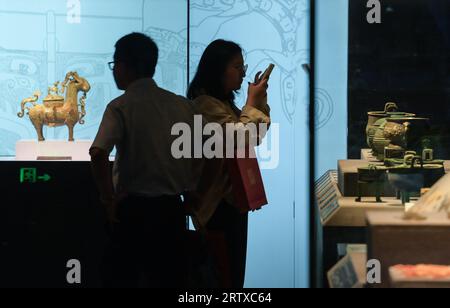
(219,76)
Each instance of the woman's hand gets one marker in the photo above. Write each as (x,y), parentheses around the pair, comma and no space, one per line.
(257,92)
(258,77)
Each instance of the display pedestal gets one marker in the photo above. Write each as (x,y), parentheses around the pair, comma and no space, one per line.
(342,219)
(32,150)
(348,180)
(393,241)
(49,217)
(353,214)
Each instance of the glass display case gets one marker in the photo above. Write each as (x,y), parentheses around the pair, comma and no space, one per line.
(381,79)
(51,206)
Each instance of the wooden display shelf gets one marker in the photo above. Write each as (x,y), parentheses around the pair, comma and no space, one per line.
(353,214)
(393,241)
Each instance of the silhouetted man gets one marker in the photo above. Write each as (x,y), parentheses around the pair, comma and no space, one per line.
(142,194)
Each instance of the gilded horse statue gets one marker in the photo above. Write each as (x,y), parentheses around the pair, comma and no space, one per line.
(57,110)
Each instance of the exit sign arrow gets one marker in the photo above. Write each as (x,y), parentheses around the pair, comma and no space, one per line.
(45,178)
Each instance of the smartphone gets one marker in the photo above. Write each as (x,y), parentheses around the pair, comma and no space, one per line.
(267,73)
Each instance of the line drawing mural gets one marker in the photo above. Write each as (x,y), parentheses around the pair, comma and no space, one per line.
(269,31)
(211,18)
(324,107)
(49,55)
(35,68)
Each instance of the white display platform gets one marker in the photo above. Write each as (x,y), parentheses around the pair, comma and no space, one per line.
(32,150)
(7,158)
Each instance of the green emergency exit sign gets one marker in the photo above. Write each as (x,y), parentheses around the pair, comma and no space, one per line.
(30,175)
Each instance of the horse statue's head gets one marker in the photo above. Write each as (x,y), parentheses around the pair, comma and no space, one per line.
(81,84)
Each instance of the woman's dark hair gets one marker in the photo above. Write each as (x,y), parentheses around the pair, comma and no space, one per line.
(138,51)
(211,70)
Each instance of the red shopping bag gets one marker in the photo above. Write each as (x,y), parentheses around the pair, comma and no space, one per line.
(247,183)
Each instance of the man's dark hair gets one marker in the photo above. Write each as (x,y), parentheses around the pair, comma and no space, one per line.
(139,52)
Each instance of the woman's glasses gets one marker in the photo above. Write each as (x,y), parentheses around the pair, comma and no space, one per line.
(244,68)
